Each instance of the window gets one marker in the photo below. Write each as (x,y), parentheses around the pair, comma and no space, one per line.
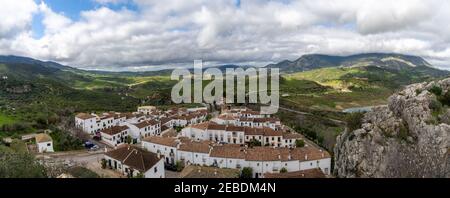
(156,169)
(49,144)
(257,164)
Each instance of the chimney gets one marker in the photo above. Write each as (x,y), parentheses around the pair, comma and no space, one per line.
(306,156)
(159,155)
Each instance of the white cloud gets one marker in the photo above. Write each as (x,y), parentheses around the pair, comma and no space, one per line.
(15,16)
(175,32)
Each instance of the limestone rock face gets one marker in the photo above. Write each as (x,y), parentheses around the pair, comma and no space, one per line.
(407,138)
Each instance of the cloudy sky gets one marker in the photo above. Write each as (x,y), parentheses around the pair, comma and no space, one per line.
(149,34)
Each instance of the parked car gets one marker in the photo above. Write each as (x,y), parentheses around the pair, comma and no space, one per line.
(95,147)
(89,145)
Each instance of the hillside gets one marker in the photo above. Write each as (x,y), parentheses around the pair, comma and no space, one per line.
(35,91)
(388,61)
(408,138)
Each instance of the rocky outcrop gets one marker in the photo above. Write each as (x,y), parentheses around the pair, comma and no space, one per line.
(408,138)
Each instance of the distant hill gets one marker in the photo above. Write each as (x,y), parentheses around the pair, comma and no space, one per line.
(388,61)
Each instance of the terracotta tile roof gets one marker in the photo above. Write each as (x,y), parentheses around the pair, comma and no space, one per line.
(134,157)
(263,154)
(310,173)
(235,128)
(201,126)
(194,146)
(209,125)
(165,120)
(114,130)
(166,141)
(213,126)
(309,153)
(264,131)
(253,131)
(146,124)
(84,116)
(271,132)
(209,172)
(42,137)
(228,151)
(227,117)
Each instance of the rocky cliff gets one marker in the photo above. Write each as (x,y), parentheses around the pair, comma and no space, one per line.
(408,138)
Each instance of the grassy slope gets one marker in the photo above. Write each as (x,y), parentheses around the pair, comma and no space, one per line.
(6,119)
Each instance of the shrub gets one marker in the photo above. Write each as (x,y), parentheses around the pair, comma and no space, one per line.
(354,120)
(18,165)
(435,105)
(179,166)
(418,91)
(299,143)
(445,99)
(82,172)
(254,142)
(139,175)
(103,163)
(129,140)
(436,90)
(247,172)
(283,170)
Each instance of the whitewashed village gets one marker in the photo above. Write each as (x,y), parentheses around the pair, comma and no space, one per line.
(152,143)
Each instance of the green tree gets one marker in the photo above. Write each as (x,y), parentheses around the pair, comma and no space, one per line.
(139,175)
(129,140)
(247,172)
(103,163)
(254,142)
(299,143)
(283,170)
(436,90)
(179,166)
(19,165)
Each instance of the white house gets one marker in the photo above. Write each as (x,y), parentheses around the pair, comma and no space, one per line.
(194,152)
(238,135)
(115,135)
(86,122)
(147,110)
(144,129)
(132,161)
(44,143)
(227,156)
(261,159)
(163,146)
